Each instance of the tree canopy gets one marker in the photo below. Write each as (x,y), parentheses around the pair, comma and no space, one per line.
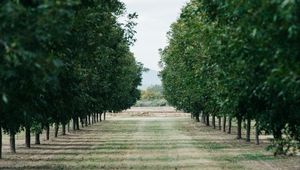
(238,59)
(64,59)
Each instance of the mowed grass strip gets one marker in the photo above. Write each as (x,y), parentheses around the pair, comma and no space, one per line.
(145,143)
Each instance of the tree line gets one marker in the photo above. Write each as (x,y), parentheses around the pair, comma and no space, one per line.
(238,60)
(64,60)
(152,96)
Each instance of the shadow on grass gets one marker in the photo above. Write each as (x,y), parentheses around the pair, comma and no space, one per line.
(245,157)
(57,167)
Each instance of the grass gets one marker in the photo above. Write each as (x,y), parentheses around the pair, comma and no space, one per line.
(171,141)
(245,157)
(214,146)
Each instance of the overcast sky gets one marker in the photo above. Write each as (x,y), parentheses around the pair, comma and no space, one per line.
(155,18)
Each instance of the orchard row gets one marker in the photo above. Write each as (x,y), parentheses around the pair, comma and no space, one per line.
(63,60)
(238,60)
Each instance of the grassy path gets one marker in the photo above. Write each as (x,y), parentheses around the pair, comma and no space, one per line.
(146,143)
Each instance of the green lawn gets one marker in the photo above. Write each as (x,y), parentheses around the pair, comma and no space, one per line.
(157,142)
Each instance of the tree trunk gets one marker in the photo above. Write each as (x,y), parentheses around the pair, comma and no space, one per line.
(202,118)
(248,130)
(277,133)
(239,128)
(82,122)
(97,118)
(229,125)
(257,134)
(63,129)
(0,142)
(197,119)
(93,118)
(224,124)
(37,139)
(220,126)
(12,142)
(27,136)
(100,117)
(197,116)
(86,121)
(214,121)
(77,123)
(207,120)
(56,130)
(47,132)
(278,137)
(69,127)
(74,123)
(89,119)
(104,116)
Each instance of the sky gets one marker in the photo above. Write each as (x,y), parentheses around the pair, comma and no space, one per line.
(155,18)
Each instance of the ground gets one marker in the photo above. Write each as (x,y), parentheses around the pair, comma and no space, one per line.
(152,138)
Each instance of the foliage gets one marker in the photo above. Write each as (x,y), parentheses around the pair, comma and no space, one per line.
(238,59)
(152,92)
(64,59)
(152,96)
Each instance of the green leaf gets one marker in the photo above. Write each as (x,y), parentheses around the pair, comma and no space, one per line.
(4,98)
(58,63)
(254,32)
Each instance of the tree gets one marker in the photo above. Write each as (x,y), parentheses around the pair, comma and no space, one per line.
(227,58)
(62,60)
